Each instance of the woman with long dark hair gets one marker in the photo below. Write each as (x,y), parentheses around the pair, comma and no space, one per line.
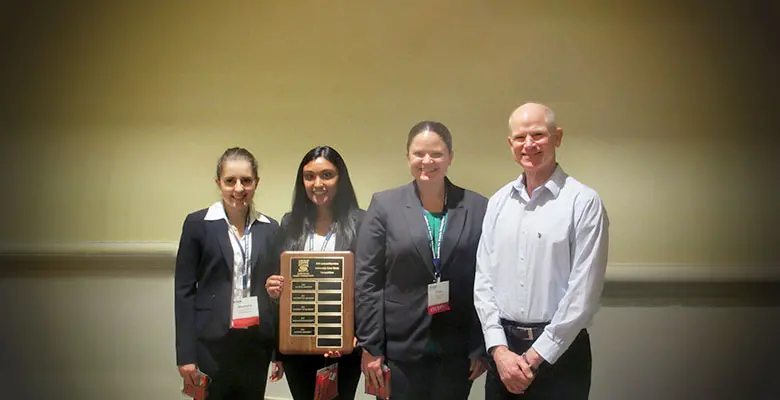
(325,217)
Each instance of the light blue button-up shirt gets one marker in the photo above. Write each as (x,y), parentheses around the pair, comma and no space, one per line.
(542,258)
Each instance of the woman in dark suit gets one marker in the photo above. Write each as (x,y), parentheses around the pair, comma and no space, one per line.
(224,319)
(325,217)
(415,265)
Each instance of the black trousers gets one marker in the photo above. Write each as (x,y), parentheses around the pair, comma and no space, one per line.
(431,378)
(237,364)
(567,379)
(301,372)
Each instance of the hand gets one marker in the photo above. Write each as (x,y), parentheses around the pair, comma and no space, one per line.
(531,360)
(336,354)
(277,371)
(333,354)
(372,368)
(477,368)
(510,371)
(274,285)
(189,372)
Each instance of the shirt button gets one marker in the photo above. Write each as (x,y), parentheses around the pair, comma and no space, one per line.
(522,258)
(522,284)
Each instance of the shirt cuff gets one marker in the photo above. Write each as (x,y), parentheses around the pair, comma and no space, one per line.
(546,346)
(495,337)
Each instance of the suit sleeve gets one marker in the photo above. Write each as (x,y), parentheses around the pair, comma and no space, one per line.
(274,269)
(359,216)
(370,280)
(281,234)
(185,287)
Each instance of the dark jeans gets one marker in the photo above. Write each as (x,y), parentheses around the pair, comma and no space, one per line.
(301,372)
(237,364)
(431,378)
(567,379)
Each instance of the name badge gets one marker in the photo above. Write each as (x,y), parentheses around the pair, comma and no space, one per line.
(245,313)
(438,297)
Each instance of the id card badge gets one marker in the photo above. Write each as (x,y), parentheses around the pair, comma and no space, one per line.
(327,385)
(438,297)
(245,313)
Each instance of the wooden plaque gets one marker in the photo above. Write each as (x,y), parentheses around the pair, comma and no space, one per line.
(316,310)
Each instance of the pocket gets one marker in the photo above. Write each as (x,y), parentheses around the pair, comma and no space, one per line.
(553,241)
(392,301)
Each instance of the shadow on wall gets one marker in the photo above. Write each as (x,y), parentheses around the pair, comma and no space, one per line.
(75,329)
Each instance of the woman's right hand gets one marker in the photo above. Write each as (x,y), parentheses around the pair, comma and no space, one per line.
(273,285)
(189,373)
(372,368)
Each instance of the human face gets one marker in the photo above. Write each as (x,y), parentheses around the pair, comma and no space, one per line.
(320,178)
(428,157)
(531,141)
(237,184)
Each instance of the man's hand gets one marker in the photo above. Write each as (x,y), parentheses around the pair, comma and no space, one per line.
(510,370)
(531,360)
(189,373)
(273,285)
(372,368)
(476,367)
(277,371)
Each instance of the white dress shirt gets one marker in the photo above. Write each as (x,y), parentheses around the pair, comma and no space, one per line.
(317,242)
(542,258)
(241,248)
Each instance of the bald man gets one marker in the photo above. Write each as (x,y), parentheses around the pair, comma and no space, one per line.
(541,263)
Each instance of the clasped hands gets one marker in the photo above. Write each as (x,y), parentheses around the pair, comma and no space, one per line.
(516,370)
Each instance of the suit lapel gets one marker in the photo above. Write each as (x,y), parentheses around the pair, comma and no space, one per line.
(456,220)
(257,243)
(219,229)
(418,233)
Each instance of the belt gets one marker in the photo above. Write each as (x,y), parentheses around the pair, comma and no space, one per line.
(523,331)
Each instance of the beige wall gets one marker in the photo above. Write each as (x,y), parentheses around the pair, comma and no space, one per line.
(92,329)
(115,112)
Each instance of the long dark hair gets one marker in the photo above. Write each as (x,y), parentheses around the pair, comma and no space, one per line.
(304,212)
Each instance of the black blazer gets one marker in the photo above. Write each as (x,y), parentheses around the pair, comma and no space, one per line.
(394,266)
(203,281)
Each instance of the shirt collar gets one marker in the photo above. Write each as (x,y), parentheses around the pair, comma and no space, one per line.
(554,184)
(217,212)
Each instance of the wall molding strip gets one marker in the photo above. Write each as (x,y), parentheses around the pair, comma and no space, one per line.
(616,272)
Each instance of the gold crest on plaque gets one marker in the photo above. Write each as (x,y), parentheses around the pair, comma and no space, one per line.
(303,267)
